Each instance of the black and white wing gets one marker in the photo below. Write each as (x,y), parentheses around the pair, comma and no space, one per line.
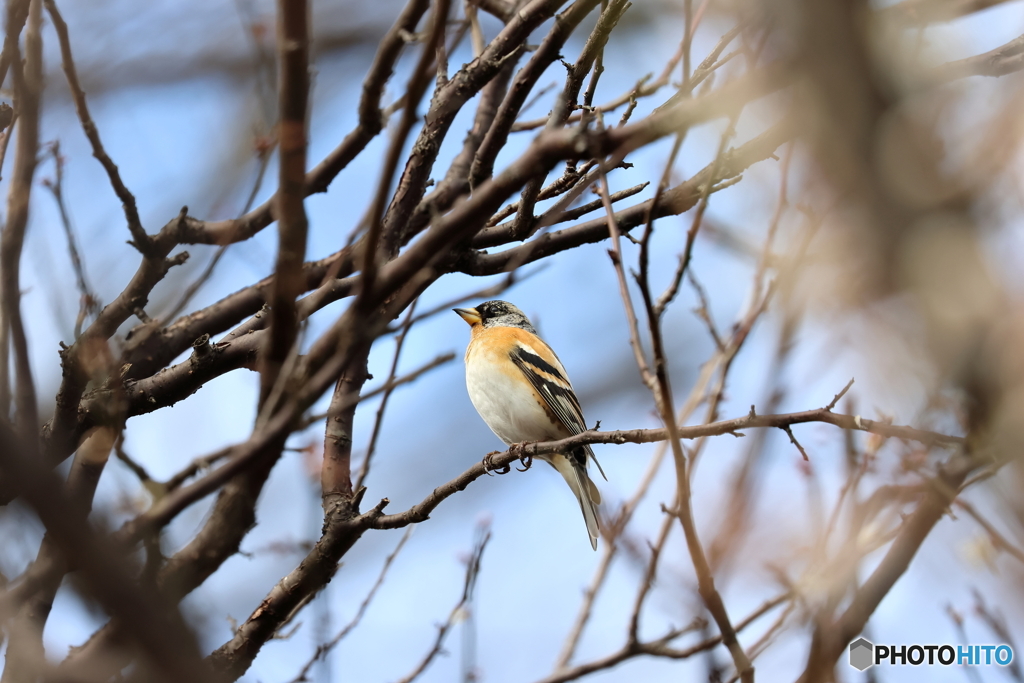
(548,378)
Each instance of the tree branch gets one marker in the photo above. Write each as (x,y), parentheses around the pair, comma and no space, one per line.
(28,86)
(293,97)
(1003,60)
(140,239)
(159,630)
(421,511)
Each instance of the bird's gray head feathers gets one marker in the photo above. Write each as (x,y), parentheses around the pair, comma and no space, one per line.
(503,314)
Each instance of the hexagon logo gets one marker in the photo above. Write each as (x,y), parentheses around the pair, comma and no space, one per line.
(862,654)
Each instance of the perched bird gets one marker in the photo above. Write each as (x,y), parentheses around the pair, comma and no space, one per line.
(522,392)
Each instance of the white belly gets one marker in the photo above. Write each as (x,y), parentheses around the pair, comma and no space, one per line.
(509,407)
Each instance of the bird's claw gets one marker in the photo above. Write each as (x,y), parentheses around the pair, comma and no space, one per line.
(490,469)
(516,449)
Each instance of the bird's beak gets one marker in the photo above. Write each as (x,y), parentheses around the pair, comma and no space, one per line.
(470,315)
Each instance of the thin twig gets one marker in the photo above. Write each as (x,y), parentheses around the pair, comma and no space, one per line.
(835,399)
(472,572)
(204,277)
(997,623)
(323,649)
(660,647)
(389,385)
(378,420)
(998,540)
(789,433)
(89,304)
(140,239)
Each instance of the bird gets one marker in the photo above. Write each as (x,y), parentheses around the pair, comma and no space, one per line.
(521,390)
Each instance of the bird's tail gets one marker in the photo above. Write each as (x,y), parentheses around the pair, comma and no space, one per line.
(575,474)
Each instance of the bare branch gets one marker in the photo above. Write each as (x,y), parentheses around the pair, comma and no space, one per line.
(417,86)
(28,86)
(921,12)
(140,239)
(161,631)
(472,572)
(324,649)
(673,202)
(1003,60)
(500,8)
(835,399)
(390,382)
(421,511)
(293,592)
(336,472)
(830,640)
(998,540)
(293,97)
(660,648)
(89,304)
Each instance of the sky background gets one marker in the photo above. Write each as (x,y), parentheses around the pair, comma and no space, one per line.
(174,92)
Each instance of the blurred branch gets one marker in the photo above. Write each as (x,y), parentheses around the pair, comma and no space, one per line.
(28,87)
(997,624)
(5,330)
(16,16)
(159,630)
(1003,60)
(472,572)
(324,649)
(37,588)
(660,647)
(998,540)
(831,637)
(502,9)
(920,12)
(294,591)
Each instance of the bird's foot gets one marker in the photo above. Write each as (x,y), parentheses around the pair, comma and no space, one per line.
(516,449)
(490,468)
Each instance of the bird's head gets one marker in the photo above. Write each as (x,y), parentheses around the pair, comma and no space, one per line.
(496,314)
